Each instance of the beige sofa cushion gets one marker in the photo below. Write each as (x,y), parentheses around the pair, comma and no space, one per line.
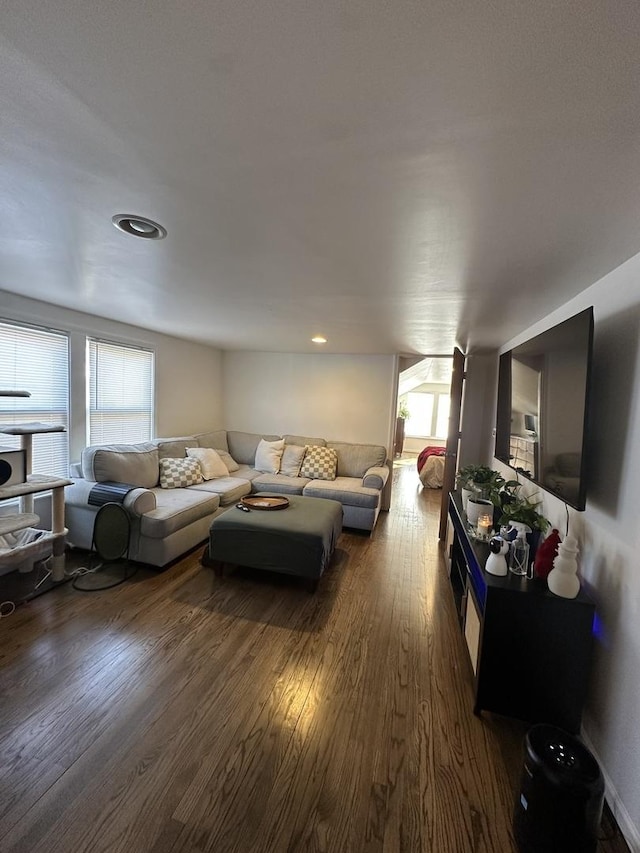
(136,464)
(354,460)
(304,440)
(175,509)
(243,445)
(347,490)
(216,439)
(230,489)
(174,448)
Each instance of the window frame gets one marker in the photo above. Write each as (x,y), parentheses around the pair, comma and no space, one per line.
(50,450)
(93,412)
(437,393)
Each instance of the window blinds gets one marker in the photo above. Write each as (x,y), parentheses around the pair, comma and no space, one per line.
(120,393)
(36,360)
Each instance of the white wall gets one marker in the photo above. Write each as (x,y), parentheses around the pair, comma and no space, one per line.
(346,397)
(478,409)
(609,533)
(188,375)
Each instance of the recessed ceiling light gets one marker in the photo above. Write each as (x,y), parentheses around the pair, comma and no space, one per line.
(139,226)
(319,339)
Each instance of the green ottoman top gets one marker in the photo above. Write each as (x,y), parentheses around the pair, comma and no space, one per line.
(298,540)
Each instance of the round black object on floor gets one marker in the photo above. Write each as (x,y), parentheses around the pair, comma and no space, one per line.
(559,805)
(110,543)
(111,532)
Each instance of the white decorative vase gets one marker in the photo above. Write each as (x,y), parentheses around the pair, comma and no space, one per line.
(477,507)
(466,494)
(563,578)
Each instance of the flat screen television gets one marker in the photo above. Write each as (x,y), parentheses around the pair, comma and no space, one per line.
(543,403)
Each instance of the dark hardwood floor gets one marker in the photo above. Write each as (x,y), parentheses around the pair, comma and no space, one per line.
(182,712)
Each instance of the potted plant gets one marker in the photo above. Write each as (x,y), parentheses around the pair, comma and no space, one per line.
(480,488)
(483,480)
(403,414)
(524,510)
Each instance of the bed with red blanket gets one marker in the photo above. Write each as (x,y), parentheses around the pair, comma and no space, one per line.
(431,467)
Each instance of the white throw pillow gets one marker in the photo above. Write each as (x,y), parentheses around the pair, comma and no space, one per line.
(292,460)
(228,460)
(268,456)
(210,463)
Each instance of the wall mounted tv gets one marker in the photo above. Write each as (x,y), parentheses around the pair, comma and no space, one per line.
(543,400)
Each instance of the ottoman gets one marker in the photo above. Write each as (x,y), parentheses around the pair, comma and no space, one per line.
(298,540)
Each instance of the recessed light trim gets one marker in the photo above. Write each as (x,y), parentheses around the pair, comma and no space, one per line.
(139,226)
(319,339)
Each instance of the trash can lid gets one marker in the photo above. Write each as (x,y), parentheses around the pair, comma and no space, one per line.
(562,756)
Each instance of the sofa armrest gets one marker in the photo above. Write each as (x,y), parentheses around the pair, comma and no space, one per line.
(138,501)
(375,478)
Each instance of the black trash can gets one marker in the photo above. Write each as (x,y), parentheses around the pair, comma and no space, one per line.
(559,804)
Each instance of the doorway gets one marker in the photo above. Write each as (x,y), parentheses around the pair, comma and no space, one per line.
(424,396)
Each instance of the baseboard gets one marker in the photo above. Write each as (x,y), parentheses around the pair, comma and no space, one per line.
(621,816)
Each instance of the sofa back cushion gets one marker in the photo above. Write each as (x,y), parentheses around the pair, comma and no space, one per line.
(136,464)
(216,439)
(174,448)
(305,440)
(243,445)
(355,459)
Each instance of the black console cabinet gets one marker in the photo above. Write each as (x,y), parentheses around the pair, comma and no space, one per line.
(530,650)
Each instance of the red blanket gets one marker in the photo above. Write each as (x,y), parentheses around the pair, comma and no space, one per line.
(426,453)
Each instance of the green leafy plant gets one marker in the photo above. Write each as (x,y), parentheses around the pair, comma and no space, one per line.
(482,479)
(525,511)
(403,411)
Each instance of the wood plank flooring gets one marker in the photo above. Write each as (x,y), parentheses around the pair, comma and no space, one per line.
(183,712)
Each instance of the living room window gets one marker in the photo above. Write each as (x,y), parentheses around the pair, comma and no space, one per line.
(120,395)
(429,414)
(36,360)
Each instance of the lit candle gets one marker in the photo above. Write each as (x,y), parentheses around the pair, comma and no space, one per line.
(485,522)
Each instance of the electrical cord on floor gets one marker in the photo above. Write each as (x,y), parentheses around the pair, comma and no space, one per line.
(129,572)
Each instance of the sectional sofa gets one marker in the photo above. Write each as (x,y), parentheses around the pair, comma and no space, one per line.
(167,521)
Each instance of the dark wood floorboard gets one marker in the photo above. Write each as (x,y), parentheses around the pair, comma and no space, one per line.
(182,712)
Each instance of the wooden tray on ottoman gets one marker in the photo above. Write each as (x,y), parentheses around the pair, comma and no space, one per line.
(267,502)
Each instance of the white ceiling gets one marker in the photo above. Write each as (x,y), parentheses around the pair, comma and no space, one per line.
(400,176)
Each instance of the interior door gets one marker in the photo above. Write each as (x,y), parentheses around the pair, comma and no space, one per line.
(453,438)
